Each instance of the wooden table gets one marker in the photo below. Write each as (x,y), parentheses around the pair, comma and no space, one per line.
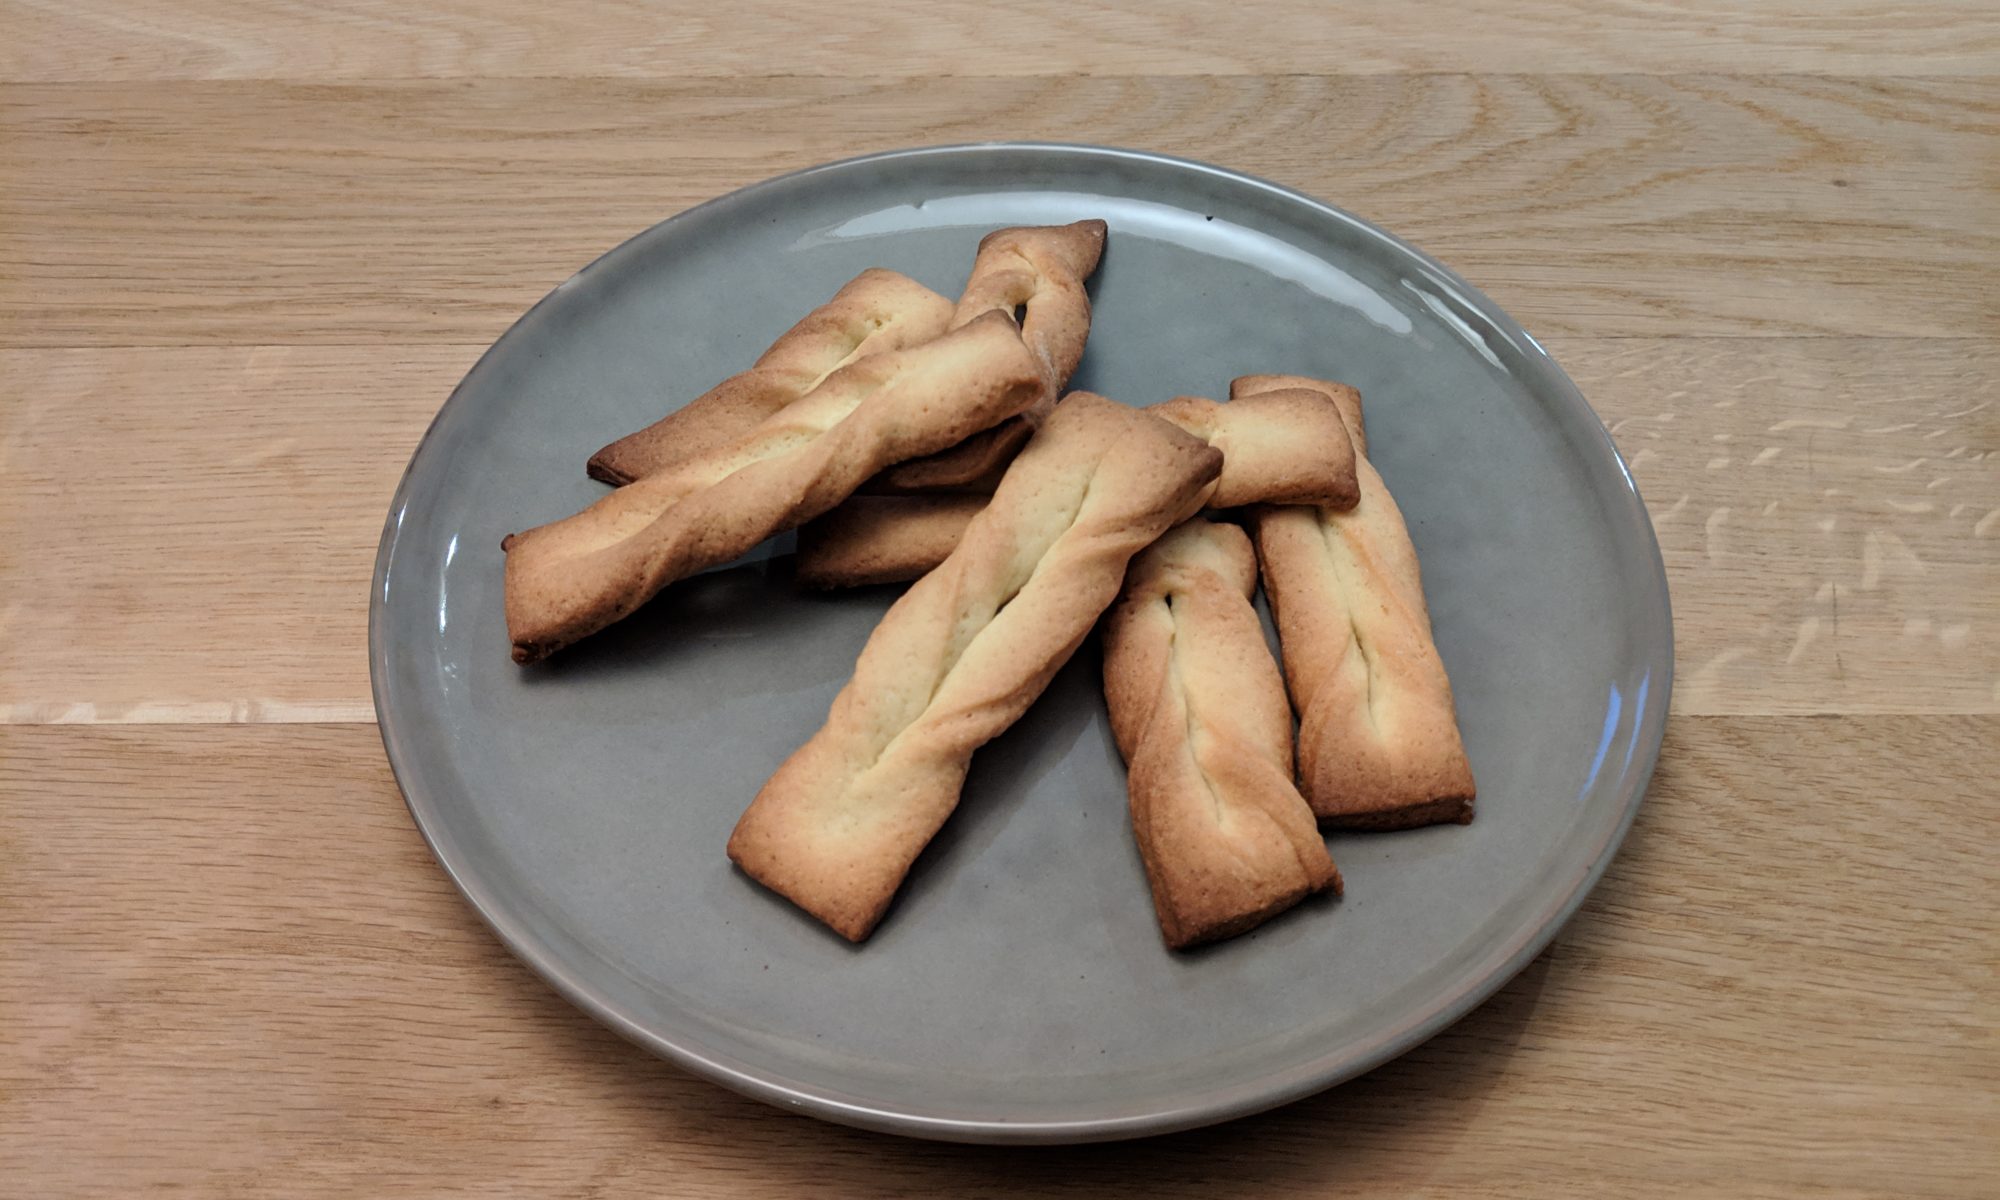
(247,247)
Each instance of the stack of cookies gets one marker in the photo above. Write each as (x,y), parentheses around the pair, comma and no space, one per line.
(911,438)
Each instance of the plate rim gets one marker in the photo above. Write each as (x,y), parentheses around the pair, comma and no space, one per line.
(1465,990)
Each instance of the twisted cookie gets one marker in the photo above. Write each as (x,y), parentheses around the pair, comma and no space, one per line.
(877,311)
(575,576)
(961,656)
(1036,271)
(1345,399)
(1379,746)
(1282,445)
(1199,713)
(883,539)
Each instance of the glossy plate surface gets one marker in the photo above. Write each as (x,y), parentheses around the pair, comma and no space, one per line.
(1018,990)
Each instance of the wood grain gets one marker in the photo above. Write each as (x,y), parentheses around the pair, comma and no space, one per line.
(248,246)
(191,531)
(229,966)
(250,213)
(1829,512)
(189,534)
(270,39)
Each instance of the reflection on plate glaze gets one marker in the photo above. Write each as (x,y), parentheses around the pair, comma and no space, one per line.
(1129,219)
(1444,301)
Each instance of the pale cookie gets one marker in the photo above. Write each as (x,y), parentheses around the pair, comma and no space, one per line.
(1348,400)
(1199,712)
(877,311)
(1035,273)
(1284,445)
(961,656)
(883,539)
(571,578)
(1287,446)
(1379,746)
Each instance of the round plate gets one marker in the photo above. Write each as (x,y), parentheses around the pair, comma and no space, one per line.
(1018,990)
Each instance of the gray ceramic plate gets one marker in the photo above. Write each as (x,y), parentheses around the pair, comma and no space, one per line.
(1018,990)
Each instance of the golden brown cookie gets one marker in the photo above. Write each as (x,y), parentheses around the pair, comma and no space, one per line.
(876,312)
(883,539)
(961,656)
(1036,273)
(1284,445)
(1199,712)
(571,578)
(1345,397)
(1379,746)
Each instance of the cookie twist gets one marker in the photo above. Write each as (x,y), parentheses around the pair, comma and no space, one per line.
(573,577)
(877,311)
(1379,746)
(1283,445)
(1345,399)
(883,539)
(1199,712)
(962,654)
(1037,273)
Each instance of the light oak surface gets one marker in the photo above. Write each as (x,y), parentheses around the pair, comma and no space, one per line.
(261,984)
(173,213)
(246,249)
(276,39)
